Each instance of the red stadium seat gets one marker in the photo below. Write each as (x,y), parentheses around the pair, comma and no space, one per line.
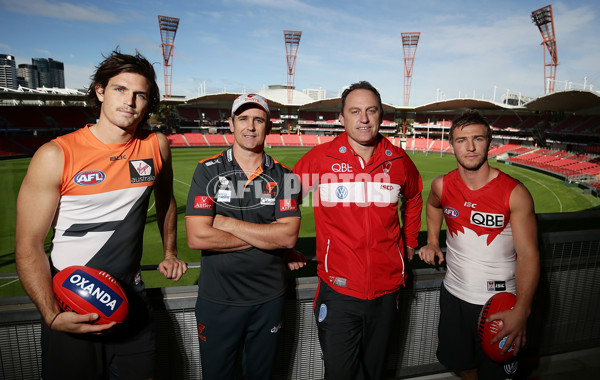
(274,140)
(216,140)
(310,140)
(291,140)
(177,139)
(24,117)
(195,139)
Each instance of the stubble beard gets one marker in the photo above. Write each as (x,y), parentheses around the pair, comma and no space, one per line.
(475,167)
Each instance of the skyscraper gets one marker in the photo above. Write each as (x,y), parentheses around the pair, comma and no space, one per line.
(30,74)
(8,71)
(52,73)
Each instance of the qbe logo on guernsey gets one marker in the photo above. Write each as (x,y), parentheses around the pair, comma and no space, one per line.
(488,220)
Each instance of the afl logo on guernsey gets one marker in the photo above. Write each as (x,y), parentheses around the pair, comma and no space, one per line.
(450,212)
(89,177)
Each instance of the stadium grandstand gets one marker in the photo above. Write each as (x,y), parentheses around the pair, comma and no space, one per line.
(558,133)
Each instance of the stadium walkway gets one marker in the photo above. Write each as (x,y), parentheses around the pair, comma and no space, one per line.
(577,365)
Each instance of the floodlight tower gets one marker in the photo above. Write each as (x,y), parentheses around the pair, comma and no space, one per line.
(409,44)
(545,22)
(168,28)
(292,40)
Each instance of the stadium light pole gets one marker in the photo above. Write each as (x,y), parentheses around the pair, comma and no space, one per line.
(168,28)
(545,22)
(292,40)
(409,45)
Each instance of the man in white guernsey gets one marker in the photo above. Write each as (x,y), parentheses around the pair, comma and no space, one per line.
(491,240)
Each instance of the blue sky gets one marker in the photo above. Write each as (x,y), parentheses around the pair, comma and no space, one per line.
(466,49)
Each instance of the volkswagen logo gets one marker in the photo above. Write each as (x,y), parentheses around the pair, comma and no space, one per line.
(341,192)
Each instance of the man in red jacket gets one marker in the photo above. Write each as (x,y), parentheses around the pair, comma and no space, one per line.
(358,179)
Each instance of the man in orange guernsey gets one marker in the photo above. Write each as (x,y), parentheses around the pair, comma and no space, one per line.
(491,247)
(92,187)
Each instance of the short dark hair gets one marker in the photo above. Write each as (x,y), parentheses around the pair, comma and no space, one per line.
(117,63)
(470,117)
(362,85)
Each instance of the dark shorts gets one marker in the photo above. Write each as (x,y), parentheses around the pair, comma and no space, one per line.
(128,352)
(354,333)
(224,329)
(458,345)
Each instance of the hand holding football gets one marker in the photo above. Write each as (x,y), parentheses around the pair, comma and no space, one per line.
(85,290)
(488,330)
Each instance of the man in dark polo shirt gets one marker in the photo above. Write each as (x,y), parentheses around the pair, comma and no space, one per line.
(243,213)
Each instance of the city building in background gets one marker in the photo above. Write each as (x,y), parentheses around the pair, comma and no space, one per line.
(52,73)
(8,71)
(42,72)
(30,75)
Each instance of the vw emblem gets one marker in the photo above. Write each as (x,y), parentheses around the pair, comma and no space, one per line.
(341,192)
(342,149)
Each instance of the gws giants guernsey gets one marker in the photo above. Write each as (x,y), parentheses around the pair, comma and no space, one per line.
(249,276)
(104,201)
(480,254)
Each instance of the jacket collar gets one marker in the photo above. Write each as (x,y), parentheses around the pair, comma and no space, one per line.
(267,161)
(384,150)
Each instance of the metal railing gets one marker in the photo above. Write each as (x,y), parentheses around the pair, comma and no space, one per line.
(565,317)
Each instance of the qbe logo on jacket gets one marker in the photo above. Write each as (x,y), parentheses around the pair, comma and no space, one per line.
(484,219)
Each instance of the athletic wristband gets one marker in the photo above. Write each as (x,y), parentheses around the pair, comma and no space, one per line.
(53,319)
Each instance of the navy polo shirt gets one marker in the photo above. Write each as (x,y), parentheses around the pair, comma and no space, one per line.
(219,186)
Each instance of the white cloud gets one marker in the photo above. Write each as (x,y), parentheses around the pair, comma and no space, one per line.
(78,76)
(59,10)
(43,53)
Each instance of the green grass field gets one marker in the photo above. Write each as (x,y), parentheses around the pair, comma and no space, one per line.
(550,195)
